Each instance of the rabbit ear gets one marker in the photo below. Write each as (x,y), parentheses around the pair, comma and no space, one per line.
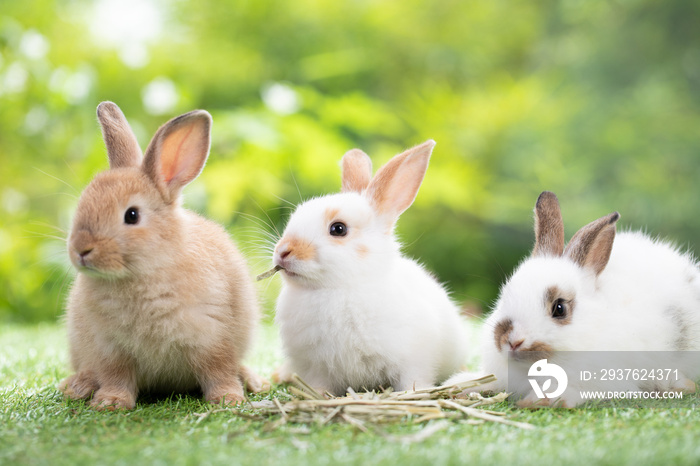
(591,245)
(549,226)
(357,171)
(395,186)
(122,147)
(177,152)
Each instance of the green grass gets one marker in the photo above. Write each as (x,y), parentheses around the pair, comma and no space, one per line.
(38,427)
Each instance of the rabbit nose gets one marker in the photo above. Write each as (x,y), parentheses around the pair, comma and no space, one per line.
(515,345)
(284,254)
(83,254)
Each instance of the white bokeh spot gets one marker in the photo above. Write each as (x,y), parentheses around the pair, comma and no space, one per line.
(159,96)
(280,98)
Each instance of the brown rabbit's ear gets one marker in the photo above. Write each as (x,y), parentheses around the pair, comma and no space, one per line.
(549,226)
(591,245)
(395,186)
(178,151)
(122,147)
(357,171)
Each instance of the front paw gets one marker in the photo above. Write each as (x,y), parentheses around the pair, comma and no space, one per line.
(225,394)
(282,374)
(253,382)
(531,401)
(112,400)
(79,386)
(684,385)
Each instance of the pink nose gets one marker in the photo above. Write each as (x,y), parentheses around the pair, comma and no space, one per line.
(284,254)
(515,345)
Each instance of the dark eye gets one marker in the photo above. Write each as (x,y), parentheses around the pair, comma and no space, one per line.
(559,310)
(131,216)
(338,229)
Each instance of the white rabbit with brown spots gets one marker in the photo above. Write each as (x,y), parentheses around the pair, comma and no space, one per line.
(163,300)
(601,292)
(353,311)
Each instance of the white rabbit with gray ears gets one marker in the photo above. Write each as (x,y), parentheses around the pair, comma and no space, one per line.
(600,293)
(353,311)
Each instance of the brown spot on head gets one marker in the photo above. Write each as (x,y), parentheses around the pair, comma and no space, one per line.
(302,250)
(501,332)
(330,214)
(559,304)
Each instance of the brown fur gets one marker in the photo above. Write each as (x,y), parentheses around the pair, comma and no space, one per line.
(330,215)
(549,226)
(116,376)
(395,186)
(215,367)
(357,171)
(123,149)
(298,248)
(591,245)
(501,332)
(80,386)
(551,295)
(168,304)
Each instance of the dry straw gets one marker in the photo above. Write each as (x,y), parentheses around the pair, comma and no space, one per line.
(372,408)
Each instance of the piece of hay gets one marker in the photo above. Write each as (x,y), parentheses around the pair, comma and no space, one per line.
(361,409)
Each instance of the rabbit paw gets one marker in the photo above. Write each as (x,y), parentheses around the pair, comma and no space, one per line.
(253,382)
(282,374)
(106,400)
(532,402)
(225,394)
(79,386)
(684,385)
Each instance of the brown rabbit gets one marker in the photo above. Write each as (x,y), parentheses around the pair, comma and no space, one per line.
(163,300)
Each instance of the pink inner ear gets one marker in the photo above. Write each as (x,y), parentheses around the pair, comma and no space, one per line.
(175,163)
(396,184)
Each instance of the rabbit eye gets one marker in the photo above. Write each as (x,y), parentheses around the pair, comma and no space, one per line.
(338,229)
(559,310)
(131,216)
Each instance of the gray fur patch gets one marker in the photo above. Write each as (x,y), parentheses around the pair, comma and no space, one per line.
(681,342)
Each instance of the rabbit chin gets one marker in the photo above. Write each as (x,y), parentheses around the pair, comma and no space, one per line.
(94,272)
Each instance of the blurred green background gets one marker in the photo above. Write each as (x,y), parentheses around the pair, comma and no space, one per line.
(597,101)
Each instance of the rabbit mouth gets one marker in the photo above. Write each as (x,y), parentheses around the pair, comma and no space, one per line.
(284,267)
(534,352)
(289,273)
(88,267)
(93,271)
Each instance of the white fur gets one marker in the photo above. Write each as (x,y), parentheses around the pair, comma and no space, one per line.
(646,299)
(359,314)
